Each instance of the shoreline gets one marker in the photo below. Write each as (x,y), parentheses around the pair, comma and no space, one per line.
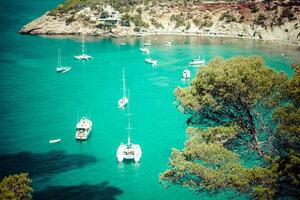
(192,34)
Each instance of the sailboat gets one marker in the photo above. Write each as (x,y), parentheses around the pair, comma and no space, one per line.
(124,100)
(83,128)
(199,60)
(60,68)
(144,50)
(83,56)
(186,74)
(150,60)
(129,151)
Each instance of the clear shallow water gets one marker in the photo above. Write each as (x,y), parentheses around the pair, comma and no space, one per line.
(36,105)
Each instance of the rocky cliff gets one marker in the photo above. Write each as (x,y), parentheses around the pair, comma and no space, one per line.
(278,21)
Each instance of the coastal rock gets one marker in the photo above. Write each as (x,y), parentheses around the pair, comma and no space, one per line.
(205,19)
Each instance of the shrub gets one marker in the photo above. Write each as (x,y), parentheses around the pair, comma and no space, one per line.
(156,23)
(136,29)
(227,17)
(260,20)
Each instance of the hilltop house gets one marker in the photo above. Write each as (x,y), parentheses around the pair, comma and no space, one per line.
(109,16)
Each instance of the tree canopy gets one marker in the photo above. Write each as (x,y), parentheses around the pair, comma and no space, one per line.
(16,187)
(230,106)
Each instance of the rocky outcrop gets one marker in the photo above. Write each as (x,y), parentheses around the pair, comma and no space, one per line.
(256,21)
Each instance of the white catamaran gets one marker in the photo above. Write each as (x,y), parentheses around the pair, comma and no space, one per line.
(83,129)
(83,55)
(124,100)
(129,151)
(60,68)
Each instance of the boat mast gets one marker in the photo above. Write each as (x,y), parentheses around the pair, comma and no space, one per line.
(129,127)
(59,58)
(124,84)
(83,45)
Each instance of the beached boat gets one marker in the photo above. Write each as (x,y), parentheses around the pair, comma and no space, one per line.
(124,100)
(54,141)
(83,129)
(60,68)
(129,151)
(83,55)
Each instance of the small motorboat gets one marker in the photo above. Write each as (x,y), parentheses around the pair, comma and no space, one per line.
(63,69)
(197,61)
(54,141)
(186,74)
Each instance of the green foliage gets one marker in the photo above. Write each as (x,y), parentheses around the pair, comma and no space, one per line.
(254,8)
(203,164)
(287,13)
(288,137)
(104,14)
(179,20)
(138,22)
(235,98)
(188,26)
(206,23)
(136,29)
(156,23)
(16,187)
(260,20)
(227,17)
(197,22)
(240,91)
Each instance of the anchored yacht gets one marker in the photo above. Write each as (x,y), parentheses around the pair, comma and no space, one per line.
(83,55)
(60,68)
(83,129)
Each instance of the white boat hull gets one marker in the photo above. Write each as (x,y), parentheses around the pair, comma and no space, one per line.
(54,141)
(186,74)
(83,129)
(197,62)
(122,102)
(168,44)
(151,61)
(83,57)
(63,69)
(129,152)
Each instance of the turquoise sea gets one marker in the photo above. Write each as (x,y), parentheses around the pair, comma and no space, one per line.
(37,104)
